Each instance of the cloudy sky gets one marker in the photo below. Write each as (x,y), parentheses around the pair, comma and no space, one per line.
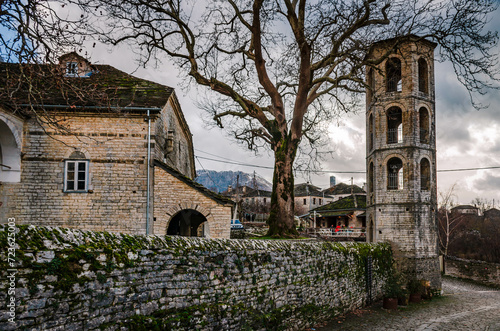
(466,138)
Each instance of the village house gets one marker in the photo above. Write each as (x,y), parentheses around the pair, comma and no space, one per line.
(465,209)
(346,216)
(342,190)
(307,197)
(88,146)
(492,213)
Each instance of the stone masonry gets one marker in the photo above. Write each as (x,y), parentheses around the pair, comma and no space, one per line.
(110,140)
(402,209)
(82,280)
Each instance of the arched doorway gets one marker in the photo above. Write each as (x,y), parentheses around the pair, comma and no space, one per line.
(188,223)
(10,155)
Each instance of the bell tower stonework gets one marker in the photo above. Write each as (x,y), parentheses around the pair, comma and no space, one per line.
(401,153)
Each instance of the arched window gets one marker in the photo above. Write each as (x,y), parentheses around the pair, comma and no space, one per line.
(370,177)
(425,175)
(395,174)
(394,125)
(393,75)
(423,118)
(370,132)
(370,81)
(423,76)
(370,182)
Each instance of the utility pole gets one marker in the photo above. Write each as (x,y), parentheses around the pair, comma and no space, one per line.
(237,197)
(352,193)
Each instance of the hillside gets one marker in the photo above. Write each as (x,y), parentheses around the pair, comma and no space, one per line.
(218,181)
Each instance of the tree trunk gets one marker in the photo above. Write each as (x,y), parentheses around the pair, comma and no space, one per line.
(281,218)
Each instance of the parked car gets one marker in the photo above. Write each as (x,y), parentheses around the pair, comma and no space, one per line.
(236,225)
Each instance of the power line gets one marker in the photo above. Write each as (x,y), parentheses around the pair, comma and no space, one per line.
(234,162)
(208,174)
(469,169)
(229,161)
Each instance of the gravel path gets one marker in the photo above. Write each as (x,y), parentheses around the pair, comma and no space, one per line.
(463,306)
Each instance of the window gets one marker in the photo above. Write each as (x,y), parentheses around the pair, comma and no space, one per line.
(395,174)
(76,176)
(371,84)
(394,125)
(425,175)
(423,75)
(423,118)
(370,132)
(314,201)
(320,202)
(72,69)
(76,173)
(305,202)
(393,75)
(370,178)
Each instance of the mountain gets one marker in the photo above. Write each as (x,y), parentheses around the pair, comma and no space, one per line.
(218,181)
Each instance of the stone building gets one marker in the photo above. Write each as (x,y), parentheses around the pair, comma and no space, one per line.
(307,197)
(342,190)
(465,209)
(401,152)
(349,212)
(82,162)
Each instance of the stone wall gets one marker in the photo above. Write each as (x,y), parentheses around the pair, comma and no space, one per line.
(116,200)
(74,280)
(171,195)
(174,144)
(479,271)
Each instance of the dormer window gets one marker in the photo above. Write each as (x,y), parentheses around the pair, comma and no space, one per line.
(72,69)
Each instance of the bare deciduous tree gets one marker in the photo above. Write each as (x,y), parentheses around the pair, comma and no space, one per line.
(283,68)
(448,223)
(33,34)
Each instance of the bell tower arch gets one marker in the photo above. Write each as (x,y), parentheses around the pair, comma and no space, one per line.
(401,152)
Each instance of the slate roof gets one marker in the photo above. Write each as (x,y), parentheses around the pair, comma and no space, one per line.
(343,206)
(493,212)
(305,190)
(464,207)
(105,86)
(343,188)
(198,187)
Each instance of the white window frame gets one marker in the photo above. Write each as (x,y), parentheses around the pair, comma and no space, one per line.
(75,176)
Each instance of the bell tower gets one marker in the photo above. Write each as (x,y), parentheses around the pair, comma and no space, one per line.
(401,153)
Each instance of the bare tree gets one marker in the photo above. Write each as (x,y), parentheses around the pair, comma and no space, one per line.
(448,223)
(483,204)
(34,34)
(283,68)
(37,31)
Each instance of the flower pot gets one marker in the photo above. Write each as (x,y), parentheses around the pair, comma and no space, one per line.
(390,303)
(415,297)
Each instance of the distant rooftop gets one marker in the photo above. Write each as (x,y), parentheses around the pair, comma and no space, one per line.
(343,188)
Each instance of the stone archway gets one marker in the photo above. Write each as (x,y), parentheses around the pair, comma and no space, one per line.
(10,154)
(188,223)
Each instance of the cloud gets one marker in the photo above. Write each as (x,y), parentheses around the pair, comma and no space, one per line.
(488,182)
